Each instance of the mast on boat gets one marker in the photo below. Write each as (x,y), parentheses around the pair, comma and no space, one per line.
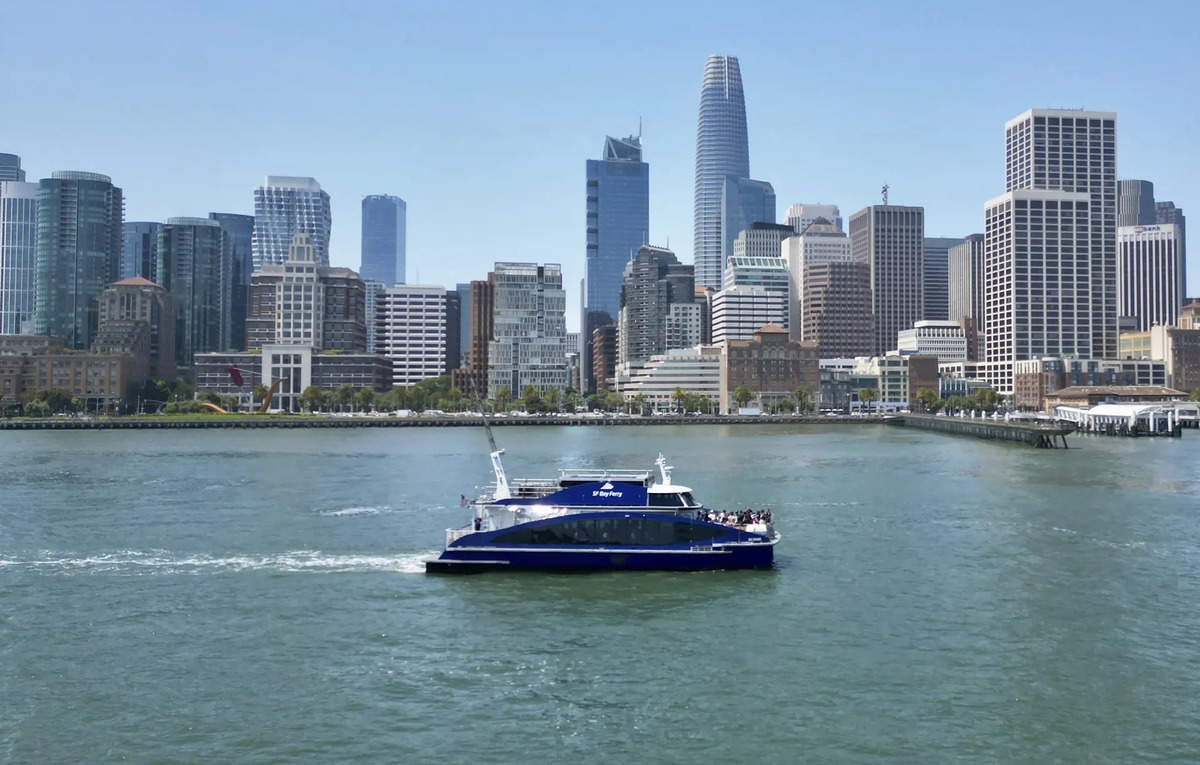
(502,491)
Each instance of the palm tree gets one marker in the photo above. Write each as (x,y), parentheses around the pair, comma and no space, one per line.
(503,397)
(803,397)
(365,398)
(928,399)
(742,396)
(867,395)
(259,392)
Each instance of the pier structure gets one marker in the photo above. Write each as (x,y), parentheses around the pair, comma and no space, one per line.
(1129,419)
(1041,435)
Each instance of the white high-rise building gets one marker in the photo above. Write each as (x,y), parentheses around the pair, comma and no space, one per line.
(738,312)
(821,242)
(18,256)
(944,339)
(410,330)
(283,207)
(891,240)
(770,273)
(1151,273)
(761,240)
(1073,152)
(801,216)
(529,329)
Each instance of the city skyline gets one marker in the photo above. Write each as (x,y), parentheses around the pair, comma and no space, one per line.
(935,150)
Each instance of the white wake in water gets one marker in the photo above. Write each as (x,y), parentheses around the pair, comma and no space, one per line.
(162,562)
(355,511)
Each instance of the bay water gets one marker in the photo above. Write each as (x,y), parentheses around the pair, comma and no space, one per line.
(259,596)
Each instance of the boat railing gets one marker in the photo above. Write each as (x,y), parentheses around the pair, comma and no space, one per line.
(604,475)
(453,535)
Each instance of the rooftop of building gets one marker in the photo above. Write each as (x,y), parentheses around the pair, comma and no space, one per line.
(1075,391)
(134,281)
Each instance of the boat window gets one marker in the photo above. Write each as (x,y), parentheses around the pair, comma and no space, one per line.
(611,532)
(688,499)
(664,500)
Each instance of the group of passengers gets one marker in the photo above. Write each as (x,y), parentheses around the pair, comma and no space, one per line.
(743,518)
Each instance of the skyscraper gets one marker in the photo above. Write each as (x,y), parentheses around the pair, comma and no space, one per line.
(529,326)
(136,317)
(1135,203)
(744,202)
(78,253)
(760,240)
(658,296)
(283,207)
(10,168)
(1167,212)
(820,242)
(411,331)
(935,277)
(722,150)
(964,276)
(890,239)
(384,227)
(618,218)
(139,250)
(194,266)
(18,256)
(239,232)
(1069,152)
(1151,274)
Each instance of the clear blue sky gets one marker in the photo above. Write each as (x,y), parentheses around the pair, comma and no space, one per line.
(481,114)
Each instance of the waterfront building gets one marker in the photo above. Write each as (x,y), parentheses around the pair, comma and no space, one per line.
(1151,273)
(770,365)
(529,330)
(1135,203)
(295,366)
(10,168)
(722,150)
(1179,349)
(935,279)
(760,240)
(384,226)
(283,207)
(139,249)
(944,340)
(78,253)
(654,283)
(801,216)
(922,375)
(891,375)
(410,331)
(618,219)
(1052,156)
(890,239)
(137,317)
(820,242)
(695,370)
(744,202)
(738,312)
(604,356)
(1035,379)
(964,273)
(239,235)
(453,322)
(194,266)
(18,254)
(472,377)
(304,303)
(837,308)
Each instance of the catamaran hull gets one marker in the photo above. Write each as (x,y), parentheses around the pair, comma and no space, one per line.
(474,560)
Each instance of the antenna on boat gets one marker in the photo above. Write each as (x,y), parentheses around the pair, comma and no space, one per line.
(664,469)
(502,491)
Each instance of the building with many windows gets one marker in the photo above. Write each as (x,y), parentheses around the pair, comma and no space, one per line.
(1151,273)
(837,308)
(384,232)
(79,243)
(722,150)
(964,270)
(137,317)
(770,365)
(618,219)
(654,283)
(801,216)
(744,203)
(194,267)
(820,242)
(472,377)
(529,329)
(935,279)
(139,249)
(890,239)
(695,370)
(944,339)
(283,207)
(239,237)
(1135,203)
(760,240)
(305,303)
(410,330)
(18,255)
(739,312)
(10,168)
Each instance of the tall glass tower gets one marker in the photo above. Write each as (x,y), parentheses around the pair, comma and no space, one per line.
(79,242)
(240,232)
(194,266)
(384,220)
(10,168)
(283,207)
(721,150)
(18,256)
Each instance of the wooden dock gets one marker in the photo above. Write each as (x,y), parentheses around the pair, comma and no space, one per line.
(1041,436)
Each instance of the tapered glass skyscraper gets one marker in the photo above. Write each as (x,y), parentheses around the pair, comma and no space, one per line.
(384,220)
(722,150)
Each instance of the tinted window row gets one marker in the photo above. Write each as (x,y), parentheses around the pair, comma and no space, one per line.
(609,532)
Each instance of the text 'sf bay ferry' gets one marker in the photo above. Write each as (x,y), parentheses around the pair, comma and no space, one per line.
(602,519)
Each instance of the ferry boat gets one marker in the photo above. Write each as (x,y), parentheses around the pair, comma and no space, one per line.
(601,519)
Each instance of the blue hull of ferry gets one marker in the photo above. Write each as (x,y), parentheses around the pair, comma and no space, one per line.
(644,559)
